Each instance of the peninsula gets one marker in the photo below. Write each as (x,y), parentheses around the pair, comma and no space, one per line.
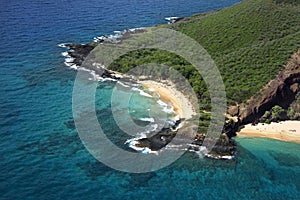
(256,46)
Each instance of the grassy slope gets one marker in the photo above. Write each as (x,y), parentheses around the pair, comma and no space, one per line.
(250,42)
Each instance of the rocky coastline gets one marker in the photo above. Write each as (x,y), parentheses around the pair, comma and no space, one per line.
(281,91)
(225,147)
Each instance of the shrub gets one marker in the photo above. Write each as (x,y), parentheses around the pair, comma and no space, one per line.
(278,113)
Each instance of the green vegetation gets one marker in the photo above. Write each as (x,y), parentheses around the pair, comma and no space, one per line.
(250,43)
(293,2)
(204,122)
(293,111)
(277,113)
(138,58)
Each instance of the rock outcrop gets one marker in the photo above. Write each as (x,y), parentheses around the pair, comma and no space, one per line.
(79,52)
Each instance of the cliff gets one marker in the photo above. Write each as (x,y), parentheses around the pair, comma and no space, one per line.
(281,91)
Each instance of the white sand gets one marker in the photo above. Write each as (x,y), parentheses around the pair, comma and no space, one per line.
(168,93)
(288,131)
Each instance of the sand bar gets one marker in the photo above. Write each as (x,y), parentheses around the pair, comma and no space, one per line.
(169,94)
(288,131)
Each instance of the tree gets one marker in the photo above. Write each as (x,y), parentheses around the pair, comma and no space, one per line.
(278,113)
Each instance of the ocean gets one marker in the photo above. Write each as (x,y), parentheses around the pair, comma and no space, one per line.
(41,154)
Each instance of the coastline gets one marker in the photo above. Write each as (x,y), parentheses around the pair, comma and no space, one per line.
(287,131)
(167,92)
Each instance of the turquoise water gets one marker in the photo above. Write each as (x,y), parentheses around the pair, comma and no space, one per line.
(41,155)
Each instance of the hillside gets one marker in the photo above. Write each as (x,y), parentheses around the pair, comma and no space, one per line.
(278,100)
(250,43)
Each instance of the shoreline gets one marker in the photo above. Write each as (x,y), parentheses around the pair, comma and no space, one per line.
(166,90)
(181,104)
(287,131)
(168,93)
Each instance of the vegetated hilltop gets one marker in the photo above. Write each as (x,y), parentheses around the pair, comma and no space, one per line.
(250,42)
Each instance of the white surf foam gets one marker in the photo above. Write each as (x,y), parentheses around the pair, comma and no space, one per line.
(160,102)
(178,127)
(109,79)
(69,60)
(142,93)
(117,75)
(132,143)
(65,54)
(145,94)
(166,108)
(76,67)
(154,127)
(63,45)
(147,119)
(124,85)
(220,157)
(136,29)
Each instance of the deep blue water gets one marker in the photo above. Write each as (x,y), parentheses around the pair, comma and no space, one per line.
(41,155)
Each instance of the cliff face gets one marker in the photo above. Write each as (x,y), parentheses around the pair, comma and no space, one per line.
(280,91)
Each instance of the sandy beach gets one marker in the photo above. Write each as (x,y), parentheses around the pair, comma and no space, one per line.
(288,131)
(169,94)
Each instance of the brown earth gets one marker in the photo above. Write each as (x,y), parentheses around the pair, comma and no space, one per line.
(280,91)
